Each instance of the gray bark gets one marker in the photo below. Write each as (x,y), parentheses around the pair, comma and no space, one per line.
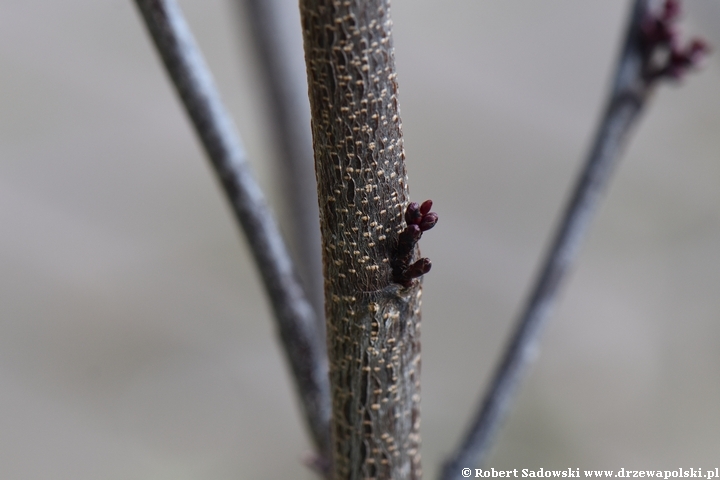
(373,325)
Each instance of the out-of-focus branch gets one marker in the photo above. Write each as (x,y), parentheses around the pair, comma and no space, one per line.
(650,52)
(285,89)
(295,316)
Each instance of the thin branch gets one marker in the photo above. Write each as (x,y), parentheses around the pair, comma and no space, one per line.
(295,317)
(289,111)
(637,71)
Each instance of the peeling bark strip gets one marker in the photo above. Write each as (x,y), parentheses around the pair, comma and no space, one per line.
(373,324)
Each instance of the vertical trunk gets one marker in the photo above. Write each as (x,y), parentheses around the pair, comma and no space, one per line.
(373,325)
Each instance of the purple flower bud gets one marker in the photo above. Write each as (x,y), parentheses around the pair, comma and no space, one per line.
(695,52)
(428,221)
(408,238)
(419,268)
(414,231)
(671,10)
(412,214)
(665,56)
(425,207)
(418,219)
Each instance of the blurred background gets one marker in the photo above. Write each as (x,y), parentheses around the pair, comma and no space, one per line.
(136,341)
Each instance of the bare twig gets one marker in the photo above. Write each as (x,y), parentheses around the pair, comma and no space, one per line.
(637,71)
(373,307)
(289,111)
(294,314)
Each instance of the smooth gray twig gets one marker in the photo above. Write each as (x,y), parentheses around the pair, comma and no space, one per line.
(295,317)
(284,82)
(635,76)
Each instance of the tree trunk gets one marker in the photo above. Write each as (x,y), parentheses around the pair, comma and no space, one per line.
(373,324)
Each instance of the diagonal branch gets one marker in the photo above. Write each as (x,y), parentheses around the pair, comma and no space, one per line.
(638,70)
(289,114)
(295,317)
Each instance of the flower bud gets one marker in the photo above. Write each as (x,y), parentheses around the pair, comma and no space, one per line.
(428,221)
(425,207)
(412,214)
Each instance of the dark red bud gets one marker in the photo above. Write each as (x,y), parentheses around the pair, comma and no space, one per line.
(412,214)
(695,52)
(671,10)
(418,219)
(409,237)
(677,57)
(419,268)
(682,60)
(428,221)
(425,207)
(414,231)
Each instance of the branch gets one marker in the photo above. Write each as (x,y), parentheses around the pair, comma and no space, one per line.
(639,67)
(294,314)
(289,112)
(373,294)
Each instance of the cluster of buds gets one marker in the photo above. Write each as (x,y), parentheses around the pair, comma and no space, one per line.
(666,57)
(418,218)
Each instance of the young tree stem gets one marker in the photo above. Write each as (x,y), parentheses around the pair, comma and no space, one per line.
(373,325)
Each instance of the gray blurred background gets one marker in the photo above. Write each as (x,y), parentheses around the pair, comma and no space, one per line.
(135,338)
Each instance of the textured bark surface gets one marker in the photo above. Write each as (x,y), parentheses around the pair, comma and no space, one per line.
(373,325)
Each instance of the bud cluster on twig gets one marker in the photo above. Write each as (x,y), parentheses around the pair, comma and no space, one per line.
(418,218)
(667,58)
